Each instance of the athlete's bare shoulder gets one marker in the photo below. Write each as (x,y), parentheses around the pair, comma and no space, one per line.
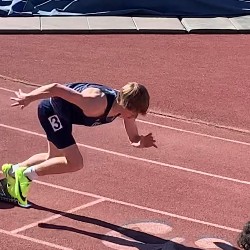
(91,92)
(94,101)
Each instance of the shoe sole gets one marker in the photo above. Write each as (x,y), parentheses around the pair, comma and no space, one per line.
(28,205)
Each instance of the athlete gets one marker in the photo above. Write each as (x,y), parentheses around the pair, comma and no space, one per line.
(63,105)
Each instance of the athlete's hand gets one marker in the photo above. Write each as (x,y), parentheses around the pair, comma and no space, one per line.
(22,99)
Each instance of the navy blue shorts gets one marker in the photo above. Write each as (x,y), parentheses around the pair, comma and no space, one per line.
(58,128)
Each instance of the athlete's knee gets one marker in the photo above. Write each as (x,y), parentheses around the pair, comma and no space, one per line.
(74,158)
(75,162)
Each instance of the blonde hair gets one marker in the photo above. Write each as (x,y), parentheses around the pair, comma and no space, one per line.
(134,97)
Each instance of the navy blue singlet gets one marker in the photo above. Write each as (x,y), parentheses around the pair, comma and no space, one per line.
(75,115)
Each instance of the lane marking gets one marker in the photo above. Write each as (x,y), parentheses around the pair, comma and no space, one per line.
(45,243)
(177,129)
(151,112)
(8,90)
(137,158)
(119,202)
(194,133)
(56,216)
(138,206)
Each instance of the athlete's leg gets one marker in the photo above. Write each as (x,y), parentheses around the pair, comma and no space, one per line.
(72,161)
(33,160)
(58,129)
(39,158)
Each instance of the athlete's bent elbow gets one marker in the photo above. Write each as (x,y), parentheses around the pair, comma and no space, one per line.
(55,88)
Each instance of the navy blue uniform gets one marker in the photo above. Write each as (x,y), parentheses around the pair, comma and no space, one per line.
(57,115)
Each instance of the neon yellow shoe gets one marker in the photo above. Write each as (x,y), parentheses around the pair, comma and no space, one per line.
(22,186)
(10,180)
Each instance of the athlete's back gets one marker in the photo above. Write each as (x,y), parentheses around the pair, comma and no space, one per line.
(75,114)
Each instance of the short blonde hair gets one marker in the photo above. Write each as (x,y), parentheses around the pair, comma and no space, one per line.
(134,97)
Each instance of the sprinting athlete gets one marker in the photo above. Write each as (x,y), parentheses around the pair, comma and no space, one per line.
(87,104)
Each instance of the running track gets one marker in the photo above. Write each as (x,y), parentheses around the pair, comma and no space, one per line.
(193,188)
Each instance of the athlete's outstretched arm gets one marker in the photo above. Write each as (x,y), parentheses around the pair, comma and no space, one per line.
(50,90)
(138,141)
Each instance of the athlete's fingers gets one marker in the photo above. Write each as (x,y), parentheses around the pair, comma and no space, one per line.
(15,104)
(17,93)
(15,99)
(20,93)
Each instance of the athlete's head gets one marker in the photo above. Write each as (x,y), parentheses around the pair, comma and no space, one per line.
(134,97)
(244,237)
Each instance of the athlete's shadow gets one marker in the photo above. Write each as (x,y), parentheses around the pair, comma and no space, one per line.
(4,205)
(142,241)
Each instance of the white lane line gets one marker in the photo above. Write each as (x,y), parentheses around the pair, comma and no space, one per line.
(185,218)
(8,90)
(137,158)
(45,243)
(177,129)
(56,216)
(194,133)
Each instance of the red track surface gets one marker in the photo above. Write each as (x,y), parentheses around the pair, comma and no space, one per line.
(202,77)
(194,186)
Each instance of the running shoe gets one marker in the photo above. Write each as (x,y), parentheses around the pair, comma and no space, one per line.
(10,180)
(22,186)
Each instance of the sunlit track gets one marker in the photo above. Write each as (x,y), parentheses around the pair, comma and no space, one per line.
(173,128)
(137,158)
